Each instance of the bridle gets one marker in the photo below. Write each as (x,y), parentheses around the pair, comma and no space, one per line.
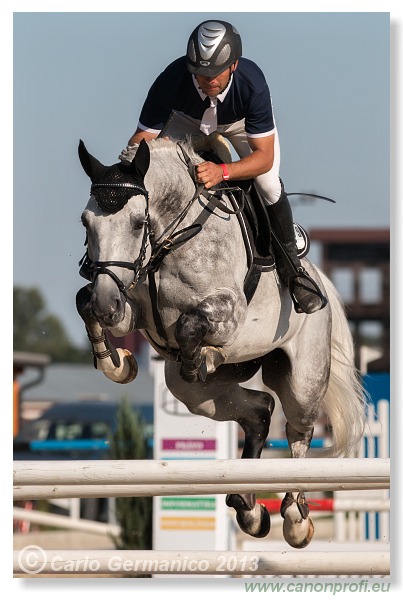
(98,267)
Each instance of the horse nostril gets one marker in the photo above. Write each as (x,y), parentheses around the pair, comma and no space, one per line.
(118,305)
(107,309)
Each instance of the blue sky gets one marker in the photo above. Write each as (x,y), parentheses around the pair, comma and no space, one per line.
(85,75)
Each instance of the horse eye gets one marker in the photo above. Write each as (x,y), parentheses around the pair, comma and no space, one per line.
(138,224)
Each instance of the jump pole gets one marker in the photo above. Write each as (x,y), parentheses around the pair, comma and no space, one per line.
(69,562)
(32,492)
(101,479)
(306,472)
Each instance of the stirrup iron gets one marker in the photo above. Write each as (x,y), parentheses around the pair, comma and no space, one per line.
(302,274)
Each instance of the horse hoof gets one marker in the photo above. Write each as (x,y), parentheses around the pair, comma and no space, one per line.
(298,534)
(127,370)
(255,522)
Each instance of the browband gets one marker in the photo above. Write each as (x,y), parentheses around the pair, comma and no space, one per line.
(132,186)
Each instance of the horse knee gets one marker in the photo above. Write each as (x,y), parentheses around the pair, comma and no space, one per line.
(191,326)
(83,302)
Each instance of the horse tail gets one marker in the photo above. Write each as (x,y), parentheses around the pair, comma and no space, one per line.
(345,399)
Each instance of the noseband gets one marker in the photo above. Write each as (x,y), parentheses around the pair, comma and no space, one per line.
(98,267)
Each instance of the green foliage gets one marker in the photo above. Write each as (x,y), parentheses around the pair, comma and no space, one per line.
(134,515)
(37,330)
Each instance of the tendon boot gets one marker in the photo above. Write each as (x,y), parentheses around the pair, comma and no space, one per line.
(305,293)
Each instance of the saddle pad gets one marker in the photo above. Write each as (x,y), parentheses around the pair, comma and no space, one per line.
(302,240)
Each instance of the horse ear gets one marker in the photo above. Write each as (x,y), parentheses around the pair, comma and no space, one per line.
(141,161)
(91,165)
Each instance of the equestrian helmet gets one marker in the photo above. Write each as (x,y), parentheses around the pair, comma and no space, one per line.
(213,47)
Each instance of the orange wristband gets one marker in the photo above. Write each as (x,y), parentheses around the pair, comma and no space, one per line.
(225,174)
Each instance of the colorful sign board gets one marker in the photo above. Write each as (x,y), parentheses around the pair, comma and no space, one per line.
(189,522)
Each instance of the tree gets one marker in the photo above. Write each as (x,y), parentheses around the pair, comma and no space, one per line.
(133,514)
(37,330)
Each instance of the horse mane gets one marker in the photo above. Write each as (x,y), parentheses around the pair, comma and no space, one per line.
(215,143)
(192,144)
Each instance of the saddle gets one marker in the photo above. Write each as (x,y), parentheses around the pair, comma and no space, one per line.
(250,209)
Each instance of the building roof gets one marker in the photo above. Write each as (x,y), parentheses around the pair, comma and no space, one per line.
(351,236)
(78,382)
(30,359)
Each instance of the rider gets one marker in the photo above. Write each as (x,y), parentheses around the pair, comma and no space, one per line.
(213,88)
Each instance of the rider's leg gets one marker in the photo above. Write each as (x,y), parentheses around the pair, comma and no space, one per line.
(306,295)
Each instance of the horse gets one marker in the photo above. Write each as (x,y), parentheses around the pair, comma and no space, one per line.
(167,260)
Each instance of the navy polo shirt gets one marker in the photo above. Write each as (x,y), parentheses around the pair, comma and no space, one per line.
(248,97)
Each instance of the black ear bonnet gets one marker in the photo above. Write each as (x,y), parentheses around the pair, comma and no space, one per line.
(113,190)
(113,186)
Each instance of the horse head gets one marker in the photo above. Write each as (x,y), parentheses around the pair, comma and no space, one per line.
(116,219)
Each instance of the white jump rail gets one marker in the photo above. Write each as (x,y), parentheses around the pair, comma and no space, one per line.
(60,521)
(118,562)
(98,479)
(50,479)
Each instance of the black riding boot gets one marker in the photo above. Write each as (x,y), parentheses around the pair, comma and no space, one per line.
(305,293)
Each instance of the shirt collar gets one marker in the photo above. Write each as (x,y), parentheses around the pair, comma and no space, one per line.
(220,97)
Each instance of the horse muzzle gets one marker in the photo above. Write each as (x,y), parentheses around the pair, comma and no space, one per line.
(108,305)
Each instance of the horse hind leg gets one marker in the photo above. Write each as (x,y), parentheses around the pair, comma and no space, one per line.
(300,385)
(221,398)
(253,518)
(298,527)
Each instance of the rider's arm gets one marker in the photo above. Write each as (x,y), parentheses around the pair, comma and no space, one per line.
(258,162)
(139,135)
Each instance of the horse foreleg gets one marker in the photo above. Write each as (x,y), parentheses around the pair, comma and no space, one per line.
(190,330)
(213,321)
(117,364)
(298,527)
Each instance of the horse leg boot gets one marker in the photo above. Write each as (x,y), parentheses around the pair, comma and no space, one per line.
(117,364)
(298,527)
(305,293)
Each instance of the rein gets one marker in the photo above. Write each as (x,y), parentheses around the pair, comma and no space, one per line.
(176,238)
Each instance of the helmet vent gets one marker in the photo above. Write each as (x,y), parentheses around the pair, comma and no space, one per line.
(191,51)
(209,36)
(223,55)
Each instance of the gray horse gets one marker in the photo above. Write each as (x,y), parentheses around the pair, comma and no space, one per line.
(171,262)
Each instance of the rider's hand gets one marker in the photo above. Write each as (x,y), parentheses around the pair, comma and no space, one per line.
(209,174)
